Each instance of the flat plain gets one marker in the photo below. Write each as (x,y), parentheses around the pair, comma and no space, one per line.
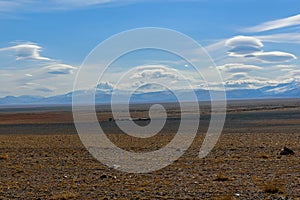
(42,157)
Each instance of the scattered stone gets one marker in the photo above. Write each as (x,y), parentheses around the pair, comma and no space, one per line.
(111,119)
(116,166)
(103,176)
(286,151)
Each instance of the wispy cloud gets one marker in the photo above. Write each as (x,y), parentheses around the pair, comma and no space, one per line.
(275,24)
(56,5)
(293,38)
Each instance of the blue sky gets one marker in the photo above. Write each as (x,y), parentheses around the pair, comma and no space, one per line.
(43,43)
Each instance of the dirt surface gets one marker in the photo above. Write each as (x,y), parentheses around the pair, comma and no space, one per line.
(41,157)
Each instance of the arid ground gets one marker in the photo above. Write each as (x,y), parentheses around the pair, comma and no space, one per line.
(41,156)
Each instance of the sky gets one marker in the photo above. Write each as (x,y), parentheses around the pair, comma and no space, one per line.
(44,43)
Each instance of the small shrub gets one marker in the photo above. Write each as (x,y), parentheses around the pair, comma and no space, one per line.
(273,188)
(264,156)
(4,157)
(221,177)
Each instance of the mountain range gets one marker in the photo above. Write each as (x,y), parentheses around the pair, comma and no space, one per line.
(103,95)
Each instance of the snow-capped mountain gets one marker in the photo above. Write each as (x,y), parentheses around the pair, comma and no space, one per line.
(104,93)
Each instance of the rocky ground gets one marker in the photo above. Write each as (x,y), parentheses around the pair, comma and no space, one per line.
(245,164)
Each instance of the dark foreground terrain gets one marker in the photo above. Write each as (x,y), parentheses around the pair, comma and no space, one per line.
(41,157)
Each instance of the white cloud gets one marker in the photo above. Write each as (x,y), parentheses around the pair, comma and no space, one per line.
(251,47)
(243,45)
(28,72)
(275,24)
(238,67)
(274,56)
(155,72)
(26,51)
(60,69)
(244,41)
(248,82)
(154,78)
